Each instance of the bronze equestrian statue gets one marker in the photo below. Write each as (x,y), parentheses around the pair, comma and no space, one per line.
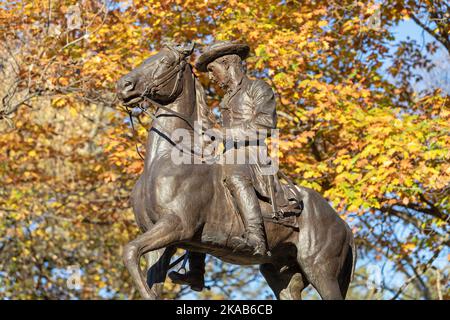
(224,210)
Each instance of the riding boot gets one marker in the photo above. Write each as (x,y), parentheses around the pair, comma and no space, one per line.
(195,276)
(248,205)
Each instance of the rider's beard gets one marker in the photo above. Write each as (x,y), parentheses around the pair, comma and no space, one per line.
(225,84)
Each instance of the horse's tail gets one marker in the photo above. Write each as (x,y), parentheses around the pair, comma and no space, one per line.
(353,248)
(348,267)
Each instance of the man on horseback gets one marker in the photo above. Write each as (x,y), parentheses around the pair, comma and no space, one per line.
(248,106)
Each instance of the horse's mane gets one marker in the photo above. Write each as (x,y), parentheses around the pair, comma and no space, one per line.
(203,111)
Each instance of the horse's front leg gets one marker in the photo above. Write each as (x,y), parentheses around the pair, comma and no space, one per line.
(168,230)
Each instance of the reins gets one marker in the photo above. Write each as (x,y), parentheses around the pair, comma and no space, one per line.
(153,88)
(130,115)
(161,131)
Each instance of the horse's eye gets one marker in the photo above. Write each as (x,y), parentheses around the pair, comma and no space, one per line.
(165,61)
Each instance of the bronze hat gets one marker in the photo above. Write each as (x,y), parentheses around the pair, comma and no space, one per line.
(219,49)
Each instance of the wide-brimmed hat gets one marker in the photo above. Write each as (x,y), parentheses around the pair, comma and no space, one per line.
(219,49)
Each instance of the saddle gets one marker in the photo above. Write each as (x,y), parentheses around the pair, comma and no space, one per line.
(285,201)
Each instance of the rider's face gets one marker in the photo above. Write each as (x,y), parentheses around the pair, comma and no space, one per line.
(218,73)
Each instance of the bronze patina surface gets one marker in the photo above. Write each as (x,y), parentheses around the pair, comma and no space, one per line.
(225,210)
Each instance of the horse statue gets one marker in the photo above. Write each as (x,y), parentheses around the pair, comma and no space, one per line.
(187,206)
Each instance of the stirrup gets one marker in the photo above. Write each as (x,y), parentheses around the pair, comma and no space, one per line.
(295,208)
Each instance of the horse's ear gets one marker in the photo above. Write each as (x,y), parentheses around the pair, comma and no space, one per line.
(186,48)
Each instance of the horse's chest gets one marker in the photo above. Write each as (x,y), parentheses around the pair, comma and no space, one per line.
(171,189)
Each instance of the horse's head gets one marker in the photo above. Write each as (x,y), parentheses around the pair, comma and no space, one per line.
(158,78)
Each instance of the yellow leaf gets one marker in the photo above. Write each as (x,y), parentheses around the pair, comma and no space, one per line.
(323,23)
(408,246)
(73,112)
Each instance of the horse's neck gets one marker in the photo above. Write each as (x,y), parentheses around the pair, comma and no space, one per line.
(158,144)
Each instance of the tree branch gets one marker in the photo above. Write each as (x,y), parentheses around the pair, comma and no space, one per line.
(438,37)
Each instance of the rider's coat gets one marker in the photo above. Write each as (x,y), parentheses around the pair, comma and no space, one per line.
(251,106)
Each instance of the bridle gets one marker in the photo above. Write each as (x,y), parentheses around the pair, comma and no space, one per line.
(156,85)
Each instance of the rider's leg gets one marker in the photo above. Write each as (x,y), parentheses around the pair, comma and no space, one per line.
(195,276)
(247,202)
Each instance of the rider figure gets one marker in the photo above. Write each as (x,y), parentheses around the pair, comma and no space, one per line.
(248,105)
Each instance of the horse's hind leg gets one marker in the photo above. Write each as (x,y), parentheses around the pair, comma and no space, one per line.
(322,267)
(165,232)
(322,249)
(287,285)
(323,271)
(328,289)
